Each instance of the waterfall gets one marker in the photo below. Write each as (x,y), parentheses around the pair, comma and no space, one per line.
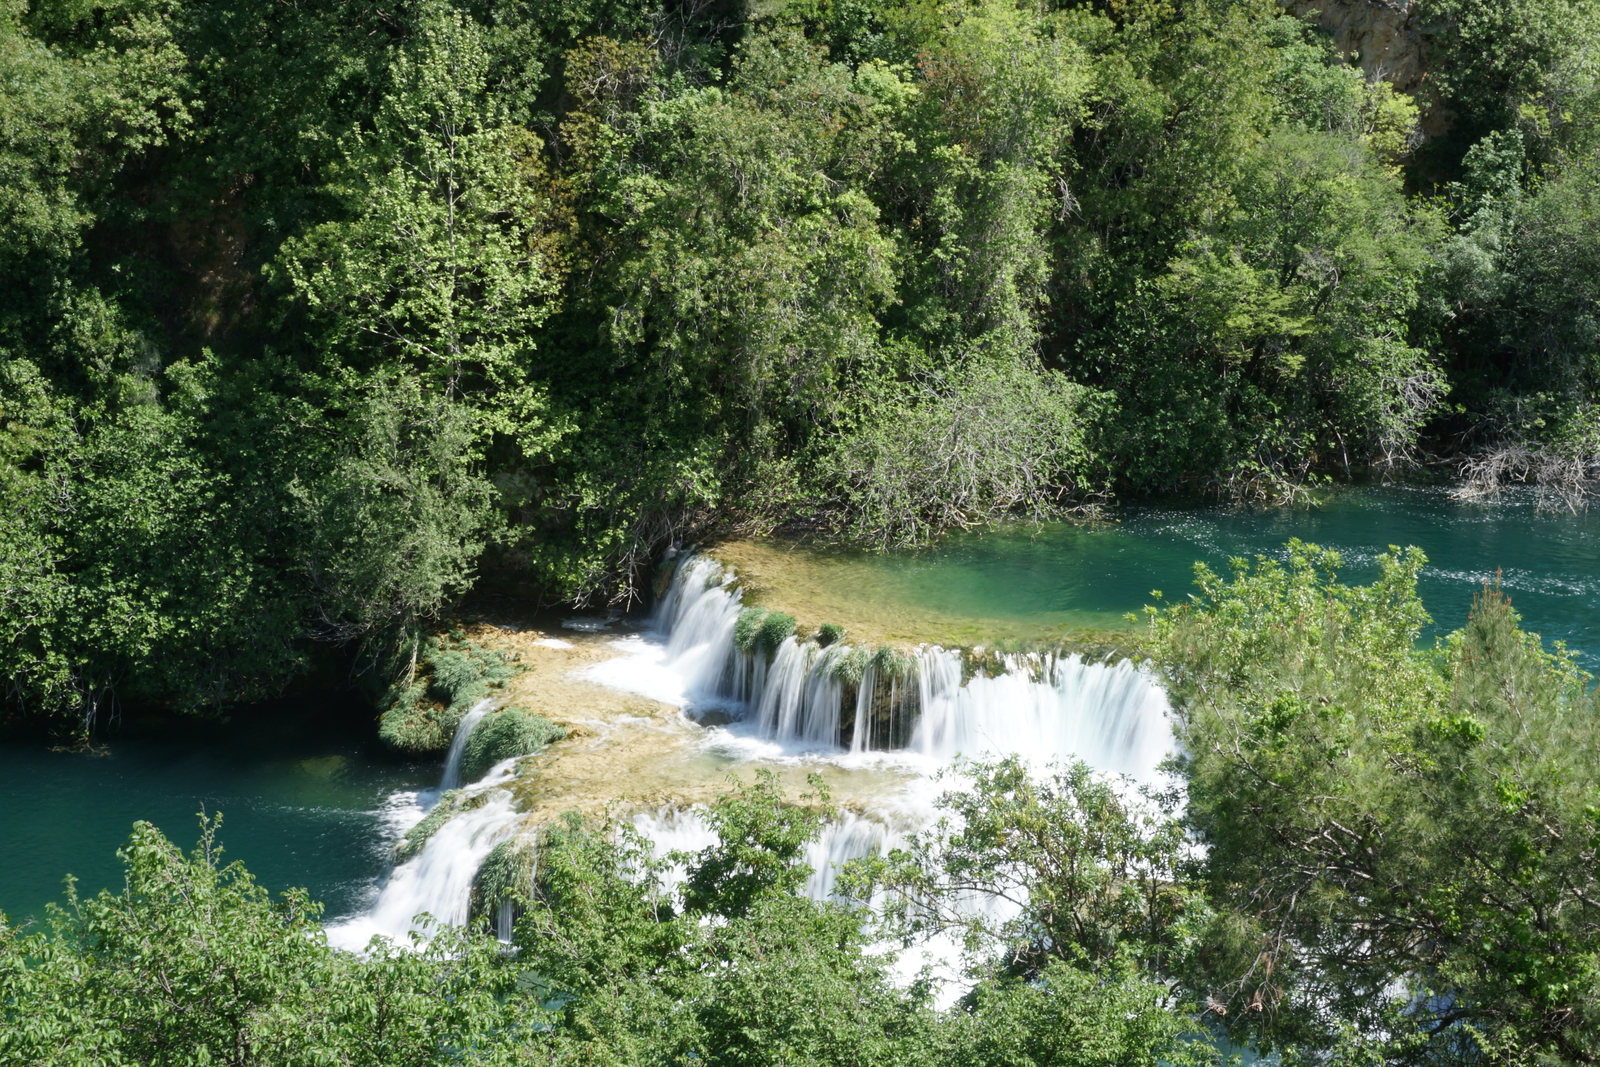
(800,697)
(847,837)
(697,617)
(451,779)
(931,705)
(1044,706)
(437,881)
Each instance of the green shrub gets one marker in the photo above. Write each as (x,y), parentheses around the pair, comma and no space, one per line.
(776,628)
(420,719)
(1004,437)
(850,665)
(829,633)
(462,675)
(1437,805)
(417,730)
(507,871)
(457,677)
(748,628)
(894,665)
(503,734)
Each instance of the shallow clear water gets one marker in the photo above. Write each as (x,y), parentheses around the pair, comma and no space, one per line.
(300,785)
(1066,575)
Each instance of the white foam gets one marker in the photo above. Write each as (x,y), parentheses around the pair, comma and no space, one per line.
(791,710)
(436,882)
(1044,707)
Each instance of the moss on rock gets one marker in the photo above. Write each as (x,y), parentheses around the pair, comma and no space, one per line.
(776,628)
(747,628)
(420,716)
(503,734)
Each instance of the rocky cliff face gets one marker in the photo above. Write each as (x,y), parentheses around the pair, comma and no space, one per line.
(1384,34)
(1390,39)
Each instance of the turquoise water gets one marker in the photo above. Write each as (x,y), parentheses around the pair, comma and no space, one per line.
(1064,575)
(303,787)
(299,783)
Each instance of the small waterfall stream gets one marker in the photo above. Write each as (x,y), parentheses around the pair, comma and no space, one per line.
(922,708)
(451,779)
(437,881)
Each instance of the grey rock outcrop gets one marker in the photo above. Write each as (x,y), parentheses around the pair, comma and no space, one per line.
(1388,37)
(1385,35)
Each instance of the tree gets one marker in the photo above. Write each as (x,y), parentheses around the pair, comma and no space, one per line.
(194,963)
(1399,842)
(436,270)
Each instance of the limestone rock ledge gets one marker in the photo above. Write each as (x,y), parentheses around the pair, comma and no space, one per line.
(1387,36)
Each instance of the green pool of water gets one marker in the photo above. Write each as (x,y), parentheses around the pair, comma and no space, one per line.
(300,784)
(1058,576)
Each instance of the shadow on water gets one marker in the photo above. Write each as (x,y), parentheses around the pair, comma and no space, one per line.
(301,781)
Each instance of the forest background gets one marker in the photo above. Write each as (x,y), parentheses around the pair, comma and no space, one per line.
(312,313)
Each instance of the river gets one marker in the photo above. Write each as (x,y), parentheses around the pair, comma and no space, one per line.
(309,801)
(305,793)
(1035,580)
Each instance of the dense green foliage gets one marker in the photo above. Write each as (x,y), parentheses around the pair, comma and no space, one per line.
(311,313)
(1400,844)
(446,675)
(611,965)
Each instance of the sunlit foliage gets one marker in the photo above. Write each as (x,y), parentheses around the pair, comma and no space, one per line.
(312,314)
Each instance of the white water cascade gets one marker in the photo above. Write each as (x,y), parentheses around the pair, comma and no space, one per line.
(925,703)
(437,881)
(922,709)
(848,837)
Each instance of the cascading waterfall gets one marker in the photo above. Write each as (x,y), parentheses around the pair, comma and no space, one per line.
(437,881)
(847,837)
(926,704)
(697,617)
(838,700)
(1044,706)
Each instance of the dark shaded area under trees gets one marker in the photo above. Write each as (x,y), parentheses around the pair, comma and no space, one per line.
(311,313)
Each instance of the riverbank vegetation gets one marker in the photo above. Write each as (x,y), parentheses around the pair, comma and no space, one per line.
(1375,852)
(1403,839)
(313,314)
